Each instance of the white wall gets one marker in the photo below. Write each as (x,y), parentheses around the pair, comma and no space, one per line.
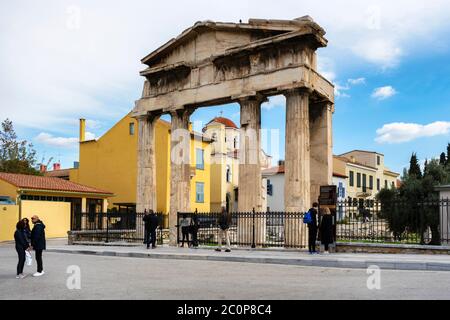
(276,201)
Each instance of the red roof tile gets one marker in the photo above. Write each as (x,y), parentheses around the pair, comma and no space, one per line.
(47,183)
(225,121)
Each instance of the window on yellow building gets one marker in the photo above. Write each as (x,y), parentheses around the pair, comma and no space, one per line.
(131,129)
(199,192)
(358,180)
(371,182)
(378,184)
(199,158)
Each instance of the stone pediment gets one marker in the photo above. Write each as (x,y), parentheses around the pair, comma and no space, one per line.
(208,38)
(220,62)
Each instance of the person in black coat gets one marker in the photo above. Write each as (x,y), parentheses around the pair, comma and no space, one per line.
(38,243)
(195,225)
(21,246)
(312,228)
(146,220)
(224,224)
(27,229)
(326,229)
(151,224)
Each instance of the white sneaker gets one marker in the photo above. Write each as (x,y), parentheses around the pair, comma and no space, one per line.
(17,277)
(326,252)
(38,274)
(21,276)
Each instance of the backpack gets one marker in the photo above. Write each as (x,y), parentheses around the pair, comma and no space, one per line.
(307,218)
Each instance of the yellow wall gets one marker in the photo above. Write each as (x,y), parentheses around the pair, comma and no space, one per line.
(110,163)
(9,190)
(55,216)
(201,176)
(9,215)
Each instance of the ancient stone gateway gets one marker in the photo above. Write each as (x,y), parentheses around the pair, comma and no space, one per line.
(216,63)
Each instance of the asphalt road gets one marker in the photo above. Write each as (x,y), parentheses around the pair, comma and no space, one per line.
(134,278)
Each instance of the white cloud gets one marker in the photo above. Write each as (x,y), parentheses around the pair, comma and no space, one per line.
(49,140)
(357,81)
(383,93)
(274,102)
(380,51)
(60,142)
(399,132)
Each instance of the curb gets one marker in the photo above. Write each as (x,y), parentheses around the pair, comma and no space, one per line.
(301,261)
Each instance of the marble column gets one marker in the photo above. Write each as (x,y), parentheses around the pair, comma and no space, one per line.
(297,182)
(180,169)
(250,180)
(320,115)
(146,169)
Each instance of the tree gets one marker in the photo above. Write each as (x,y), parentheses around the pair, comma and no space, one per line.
(442,159)
(414,167)
(448,155)
(16,156)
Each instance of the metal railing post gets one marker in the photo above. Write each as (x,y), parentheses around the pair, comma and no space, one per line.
(253,227)
(107,227)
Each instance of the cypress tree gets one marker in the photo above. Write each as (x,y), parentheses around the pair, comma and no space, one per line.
(442,159)
(414,168)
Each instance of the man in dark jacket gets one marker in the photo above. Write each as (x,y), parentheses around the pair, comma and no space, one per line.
(312,229)
(38,243)
(151,226)
(224,225)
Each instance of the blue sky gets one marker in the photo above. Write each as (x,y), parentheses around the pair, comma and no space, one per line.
(61,60)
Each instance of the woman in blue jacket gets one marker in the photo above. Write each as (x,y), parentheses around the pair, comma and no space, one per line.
(21,246)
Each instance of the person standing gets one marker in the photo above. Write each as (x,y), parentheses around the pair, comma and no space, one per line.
(38,243)
(184,224)
(312,229)
(326,229)
(224,225)
(27,229)
(21,246)
(194,230)
(152,226)
(146,220)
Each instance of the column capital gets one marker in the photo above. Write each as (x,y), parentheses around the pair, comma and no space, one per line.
(150,116)
(301,90)
(252,97)
(184,112)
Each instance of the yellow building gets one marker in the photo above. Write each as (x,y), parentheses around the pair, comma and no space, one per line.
(55,201)
(366,173)
(110,162)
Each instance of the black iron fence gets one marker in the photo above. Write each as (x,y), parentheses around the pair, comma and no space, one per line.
(412,222)
(246,229)
(116,226)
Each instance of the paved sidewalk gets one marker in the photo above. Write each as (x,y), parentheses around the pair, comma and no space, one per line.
(283,257)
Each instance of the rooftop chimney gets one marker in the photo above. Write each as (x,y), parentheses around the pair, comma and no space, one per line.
(42,168)
(82,130)
(280,162)
(56,166)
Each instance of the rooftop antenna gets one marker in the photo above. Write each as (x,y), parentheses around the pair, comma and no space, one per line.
(220,113)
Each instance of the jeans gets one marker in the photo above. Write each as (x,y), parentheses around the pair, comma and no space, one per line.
(312,236)
(185,233)
(39,260)
(21,263)
(151,238)
(224,233)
